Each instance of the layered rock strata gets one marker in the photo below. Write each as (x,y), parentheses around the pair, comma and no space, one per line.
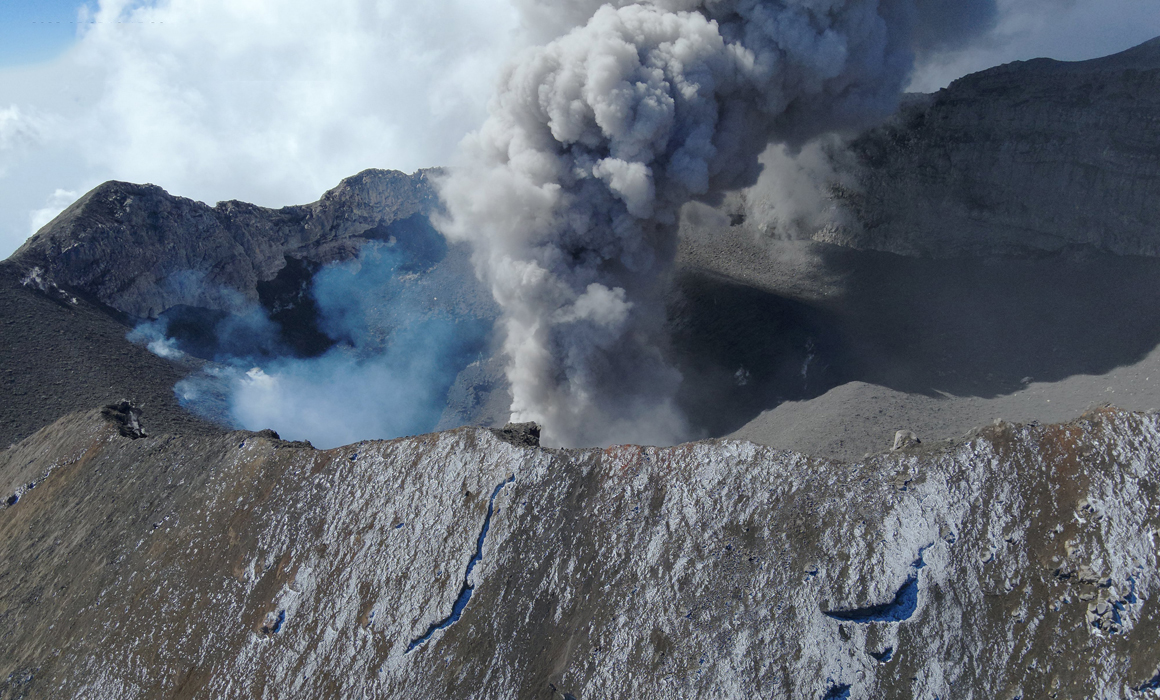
(1026,158)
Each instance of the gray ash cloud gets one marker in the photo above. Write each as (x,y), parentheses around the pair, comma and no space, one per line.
(570,190)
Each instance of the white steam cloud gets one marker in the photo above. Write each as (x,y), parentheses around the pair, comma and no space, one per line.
(570,190)
(791,198)
(394,351)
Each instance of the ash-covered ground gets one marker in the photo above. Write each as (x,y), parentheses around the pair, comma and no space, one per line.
(62,352)
(935,346)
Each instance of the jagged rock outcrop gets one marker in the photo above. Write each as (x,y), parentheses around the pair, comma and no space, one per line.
(1029,157)
(1020,562)
(126,417)
(141,250)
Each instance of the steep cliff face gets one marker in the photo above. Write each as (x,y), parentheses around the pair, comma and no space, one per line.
(1017,563)
(61,353)
(991,253)
(1029,157)
(141,250)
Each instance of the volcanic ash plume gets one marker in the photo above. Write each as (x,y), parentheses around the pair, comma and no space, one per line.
(570,190)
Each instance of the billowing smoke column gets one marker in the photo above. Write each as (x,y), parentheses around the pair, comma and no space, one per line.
(571,189)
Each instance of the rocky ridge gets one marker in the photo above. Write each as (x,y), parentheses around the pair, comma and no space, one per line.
(1017,563)
(141,250)
(1030,157)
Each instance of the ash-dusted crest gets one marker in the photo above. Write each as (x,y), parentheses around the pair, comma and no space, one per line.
(570,191)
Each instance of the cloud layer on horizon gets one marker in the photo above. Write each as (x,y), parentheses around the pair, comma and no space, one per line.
(271,103)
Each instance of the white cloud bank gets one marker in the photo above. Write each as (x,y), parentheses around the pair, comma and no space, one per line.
(274,101)
(271,102)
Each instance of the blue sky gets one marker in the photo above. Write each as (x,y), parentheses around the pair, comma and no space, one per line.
(36,30)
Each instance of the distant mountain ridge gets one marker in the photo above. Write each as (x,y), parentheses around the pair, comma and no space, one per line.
(1030,157)
(141,250)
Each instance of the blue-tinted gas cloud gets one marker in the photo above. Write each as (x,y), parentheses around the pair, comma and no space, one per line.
(396,351)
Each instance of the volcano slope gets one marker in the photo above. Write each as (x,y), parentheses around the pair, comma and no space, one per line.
(1020,562)
(993,254)
(62,351)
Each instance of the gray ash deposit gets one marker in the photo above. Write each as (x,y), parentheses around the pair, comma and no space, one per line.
(64,354)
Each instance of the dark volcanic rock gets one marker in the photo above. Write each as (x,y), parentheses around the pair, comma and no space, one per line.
(141,250)
(1019,563)
(520,434)
(126,417)
(60,354)
(1028,157)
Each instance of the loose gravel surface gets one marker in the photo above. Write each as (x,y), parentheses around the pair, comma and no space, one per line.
(57,357)
(857,418)
(942,346)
